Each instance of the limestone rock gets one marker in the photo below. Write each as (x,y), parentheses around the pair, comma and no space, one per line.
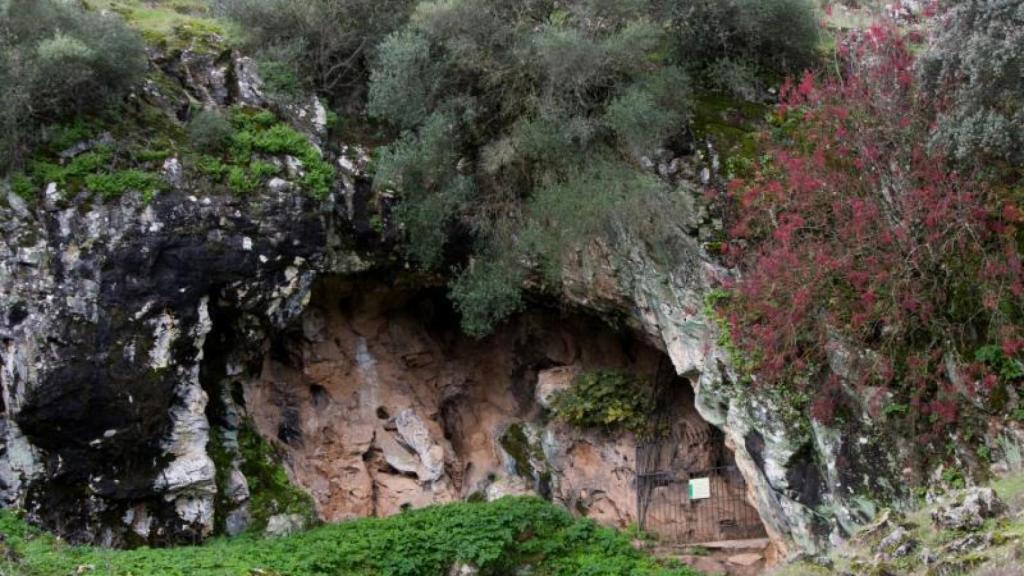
(237,521)
(279,185)
(237,487)
(249,85)
(968,544)
(896,544)
(507,486)
(398,456)
(173,172)
(284,524)
(416,436)
(553,380)
(968,509)
(746,559)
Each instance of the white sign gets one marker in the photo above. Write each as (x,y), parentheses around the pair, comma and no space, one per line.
(700,488)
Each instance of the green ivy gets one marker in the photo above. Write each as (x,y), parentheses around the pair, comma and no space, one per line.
(260,132)
(1008,368)
(895,409)
(271,491)
(92,171)
(114,184)
(24,187)
(612,399)
(740,361)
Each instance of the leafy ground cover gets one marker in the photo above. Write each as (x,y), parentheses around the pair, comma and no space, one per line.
(501,537)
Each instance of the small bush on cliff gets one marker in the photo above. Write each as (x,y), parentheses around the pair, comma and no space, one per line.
(209,131)
(249,136)
(867,255)
(272,492)
(610,399)
(58,61)
(508,536)
(94,171)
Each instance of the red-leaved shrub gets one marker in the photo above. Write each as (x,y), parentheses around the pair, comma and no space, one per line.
(853,236)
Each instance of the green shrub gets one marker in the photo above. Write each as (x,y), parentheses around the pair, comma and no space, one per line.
(403,79)
(972,68)
(212,167)
(251,132)
(774,36)
(240,181)
(24,187)
(639,122)
(209,131)
(280,70)
(261,170)
(59,61)
(609,399)
(1007,368)
(321,44)
(783,34)
(487,292)
(422,167)
(499,106)
(91,171)
(60,137)
(599,199)
(508,536)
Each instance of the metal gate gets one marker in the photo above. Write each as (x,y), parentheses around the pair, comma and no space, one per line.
(688,488)
(667,508)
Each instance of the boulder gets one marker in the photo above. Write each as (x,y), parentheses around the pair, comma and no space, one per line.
(897,544)
(284,524)
(968,544)
(237,521)
(893,540)
(968,509)
(415,434)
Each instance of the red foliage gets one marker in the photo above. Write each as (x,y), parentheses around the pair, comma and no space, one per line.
(852,231)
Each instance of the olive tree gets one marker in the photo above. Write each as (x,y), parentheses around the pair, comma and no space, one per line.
(320,44)
(974,67)
(522,128)
(58,61)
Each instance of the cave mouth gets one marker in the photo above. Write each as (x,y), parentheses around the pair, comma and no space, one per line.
(378,402)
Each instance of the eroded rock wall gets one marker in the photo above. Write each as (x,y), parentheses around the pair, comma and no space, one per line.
(811,484)
(380,403)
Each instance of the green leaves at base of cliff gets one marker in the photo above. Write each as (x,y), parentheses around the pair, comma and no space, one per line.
(500,537)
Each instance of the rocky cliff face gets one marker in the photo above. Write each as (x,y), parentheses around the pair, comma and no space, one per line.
(128,329)
(812,485)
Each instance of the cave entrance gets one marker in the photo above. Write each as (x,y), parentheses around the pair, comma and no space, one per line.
(688,487)
(378,402)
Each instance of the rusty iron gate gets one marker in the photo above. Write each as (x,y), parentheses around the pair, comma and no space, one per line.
(665,467)
(666,509)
